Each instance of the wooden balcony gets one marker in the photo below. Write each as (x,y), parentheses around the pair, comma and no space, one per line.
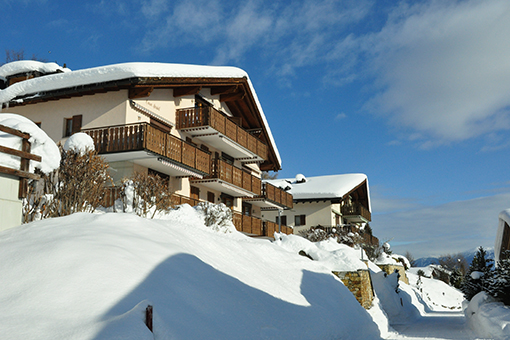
(356,213)
(138,137)
(270,228)
(277,195)
(244,183)
(209,125)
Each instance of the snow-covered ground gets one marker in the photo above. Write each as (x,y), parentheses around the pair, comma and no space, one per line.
(91,276)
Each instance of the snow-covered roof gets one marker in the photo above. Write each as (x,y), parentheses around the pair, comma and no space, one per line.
(332,186)
(125,71)
(504,218)
(25,66)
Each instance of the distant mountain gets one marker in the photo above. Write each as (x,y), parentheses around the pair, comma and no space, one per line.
(468,255)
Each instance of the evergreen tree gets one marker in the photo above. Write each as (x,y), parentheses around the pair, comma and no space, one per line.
(499,284)
(478,275)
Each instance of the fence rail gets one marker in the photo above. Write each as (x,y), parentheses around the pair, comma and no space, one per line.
(25,156)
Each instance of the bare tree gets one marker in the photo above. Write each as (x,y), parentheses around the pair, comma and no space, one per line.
(454,262)
(267,175)
(410,258)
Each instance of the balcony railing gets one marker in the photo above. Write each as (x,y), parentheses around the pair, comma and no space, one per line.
(208,116)
(277,195)
(356,209)
(226,172)
(134,137)
(270,228)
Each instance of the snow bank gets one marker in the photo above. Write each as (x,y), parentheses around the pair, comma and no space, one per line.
(336,256)
(90,276)
(80,143)
(41,144)
(488,318)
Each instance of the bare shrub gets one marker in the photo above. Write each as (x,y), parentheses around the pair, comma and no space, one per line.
(146,194)
(78,185)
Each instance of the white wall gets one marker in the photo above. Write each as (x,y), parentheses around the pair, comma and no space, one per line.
(10,204)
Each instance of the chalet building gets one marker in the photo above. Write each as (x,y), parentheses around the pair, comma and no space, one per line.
(502,243)
(326,201)
(200,127)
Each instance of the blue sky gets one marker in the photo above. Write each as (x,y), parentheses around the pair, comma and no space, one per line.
(414,94)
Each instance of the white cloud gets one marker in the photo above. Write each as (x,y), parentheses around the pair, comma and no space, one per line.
(443,68)
(448,228)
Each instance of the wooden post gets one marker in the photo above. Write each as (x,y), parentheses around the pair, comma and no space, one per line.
(25,163)
(148,317)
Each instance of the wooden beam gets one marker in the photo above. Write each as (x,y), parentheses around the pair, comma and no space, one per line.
(232,96)
(140,92)
(186,91)
(14,132)
(19,153)
(223,89)
(18,173)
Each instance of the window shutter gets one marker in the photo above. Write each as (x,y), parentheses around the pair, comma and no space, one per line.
(76,123)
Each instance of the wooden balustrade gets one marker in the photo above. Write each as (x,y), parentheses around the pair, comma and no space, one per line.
(208,116)
(238,177)
(356,209)
(277,195)
(135,137)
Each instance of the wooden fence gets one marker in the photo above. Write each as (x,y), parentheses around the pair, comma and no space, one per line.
(25,156)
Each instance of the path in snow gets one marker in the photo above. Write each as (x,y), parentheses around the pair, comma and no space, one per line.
(435,325)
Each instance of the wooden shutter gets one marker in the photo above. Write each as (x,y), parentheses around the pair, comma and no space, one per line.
(76,124)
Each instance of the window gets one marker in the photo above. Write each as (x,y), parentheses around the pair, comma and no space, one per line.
(210,196)
(72,125)
(284,220)
(195,193)
(246,209)
(299,220)
(227,200)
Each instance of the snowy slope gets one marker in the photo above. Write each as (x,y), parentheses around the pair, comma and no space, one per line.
(90,276)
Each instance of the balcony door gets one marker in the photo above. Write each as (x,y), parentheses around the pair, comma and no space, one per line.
(227,200)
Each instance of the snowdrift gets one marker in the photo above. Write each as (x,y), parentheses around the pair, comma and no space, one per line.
(91,276)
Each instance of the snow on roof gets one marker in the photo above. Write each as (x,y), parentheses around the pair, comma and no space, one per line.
(504,218)
(126,71)
(332,186)
(41,144)
(24,66)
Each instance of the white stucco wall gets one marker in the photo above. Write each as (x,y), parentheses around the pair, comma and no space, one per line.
(316,213)
(10,204)
(102,109)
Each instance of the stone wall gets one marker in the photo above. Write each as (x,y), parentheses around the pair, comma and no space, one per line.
(360,284)
(390,269)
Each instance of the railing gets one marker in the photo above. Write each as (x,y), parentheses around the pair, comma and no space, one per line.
(270,228)
(356,209)
(25,156)
(133,137)
(209,116)
(277,195)
(240,178)
(247,224)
